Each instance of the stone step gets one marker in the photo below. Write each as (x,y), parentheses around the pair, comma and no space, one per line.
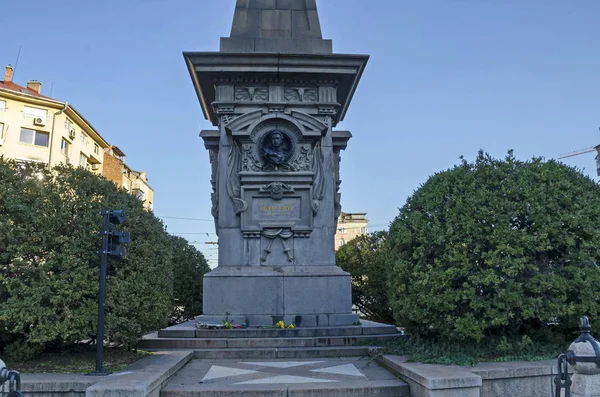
(378,388)
(272,353)
(189,330)
(155,342)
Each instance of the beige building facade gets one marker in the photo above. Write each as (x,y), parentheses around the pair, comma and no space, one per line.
(349,226)
(37,128)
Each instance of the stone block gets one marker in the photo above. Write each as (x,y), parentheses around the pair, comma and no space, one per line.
(219,319)
(50,385)
(322,320)
(263,4)
(296,4)
(279,21)
(532,379)
(243,295)
(143,378)
(237,44)
(343,319)
(293,46)
(585,385)
(301,320)
(315,250)
(318,295)
(231,246)
(428,380)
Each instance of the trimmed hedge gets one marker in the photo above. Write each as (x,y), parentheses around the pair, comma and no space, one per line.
(49,267)
(497,250)
(364,257)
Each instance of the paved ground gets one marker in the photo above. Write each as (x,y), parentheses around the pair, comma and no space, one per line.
(232,375)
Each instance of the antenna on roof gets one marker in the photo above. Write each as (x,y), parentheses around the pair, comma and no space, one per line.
(17,62)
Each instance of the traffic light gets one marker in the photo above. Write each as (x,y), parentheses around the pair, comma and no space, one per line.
(114,238)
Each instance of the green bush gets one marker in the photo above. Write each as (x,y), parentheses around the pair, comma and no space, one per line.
(497,248)
(189,269)
(49,267)
(364,257)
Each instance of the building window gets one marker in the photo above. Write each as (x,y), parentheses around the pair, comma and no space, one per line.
(342,229)
(32,137)
(1,130)
(342,242)
(363,230)
(96,148)
(83,160)
(64,147)
(34,113)
(2,106)
(84,139)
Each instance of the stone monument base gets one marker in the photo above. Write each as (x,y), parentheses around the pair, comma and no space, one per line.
(306,296)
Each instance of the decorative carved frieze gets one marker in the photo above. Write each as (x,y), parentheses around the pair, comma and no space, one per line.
(227,118)
(249,161)
(224,108)
(303,159)
(284,235)
(276,189)
(251,93)
(301,94)
(328,110)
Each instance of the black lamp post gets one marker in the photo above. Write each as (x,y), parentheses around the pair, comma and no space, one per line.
(111,246)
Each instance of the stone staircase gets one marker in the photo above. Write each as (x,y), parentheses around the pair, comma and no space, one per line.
(270,343)
(307,361)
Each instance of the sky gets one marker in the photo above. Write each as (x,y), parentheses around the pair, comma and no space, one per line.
(445,78)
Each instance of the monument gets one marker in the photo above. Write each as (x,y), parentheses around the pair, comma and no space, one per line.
(276,91)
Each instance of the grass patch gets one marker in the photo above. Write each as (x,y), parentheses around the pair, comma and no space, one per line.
(78,359)
(430,352)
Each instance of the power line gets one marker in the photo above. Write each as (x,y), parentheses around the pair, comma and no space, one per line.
(190,233)
(185,219)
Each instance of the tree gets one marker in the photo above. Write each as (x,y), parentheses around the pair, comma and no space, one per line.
(497,248)
(49,220)
(189,266)
(364,258)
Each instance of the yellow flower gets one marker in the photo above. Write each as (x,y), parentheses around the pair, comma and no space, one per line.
(291,326)
(280,324)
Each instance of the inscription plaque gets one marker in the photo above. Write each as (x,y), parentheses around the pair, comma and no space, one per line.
(267,209)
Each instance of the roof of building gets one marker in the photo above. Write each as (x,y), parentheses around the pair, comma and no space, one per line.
(9,85)
(26,91)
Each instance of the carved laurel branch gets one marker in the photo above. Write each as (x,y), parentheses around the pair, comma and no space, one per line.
(234,189)
(249,162)
(214,161)
(303,160)
(318,179)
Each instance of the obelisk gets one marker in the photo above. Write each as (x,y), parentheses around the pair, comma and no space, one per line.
(275,91)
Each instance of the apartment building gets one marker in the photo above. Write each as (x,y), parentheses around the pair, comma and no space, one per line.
(135,182)
(349,226)
(37,128)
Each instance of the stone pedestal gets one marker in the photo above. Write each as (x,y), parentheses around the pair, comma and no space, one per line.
(275,92)
(301,295)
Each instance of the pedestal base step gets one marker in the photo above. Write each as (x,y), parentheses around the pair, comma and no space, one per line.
(152,341)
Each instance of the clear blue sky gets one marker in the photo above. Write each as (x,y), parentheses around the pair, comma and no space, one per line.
(446,78)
